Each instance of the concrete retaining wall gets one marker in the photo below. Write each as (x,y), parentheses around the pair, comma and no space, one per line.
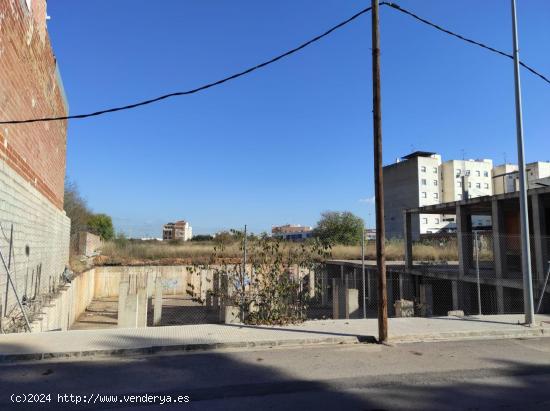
(100,282)
(71,301)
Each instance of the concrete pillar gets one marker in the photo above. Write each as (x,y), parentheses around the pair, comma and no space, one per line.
(141,291)
(324,287)
(540,240)
(157,307)
(463,234)
(352,303)
(311,283)
(132,303)
(407,237)
(123,287)
(499,251)
(401,285)
(426,299)
(456,304)
(203,286)
(335,298)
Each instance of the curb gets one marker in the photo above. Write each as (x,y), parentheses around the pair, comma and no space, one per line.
(155,349)
(472,335)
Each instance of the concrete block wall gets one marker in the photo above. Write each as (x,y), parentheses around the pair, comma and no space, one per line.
(88,243)
(38,226)
(175,279)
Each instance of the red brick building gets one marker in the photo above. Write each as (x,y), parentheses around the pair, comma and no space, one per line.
(32,156)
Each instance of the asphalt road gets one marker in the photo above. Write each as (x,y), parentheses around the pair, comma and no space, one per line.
(487,374)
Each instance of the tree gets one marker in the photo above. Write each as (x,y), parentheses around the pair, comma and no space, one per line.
(75,207)
(202,237)
(102,225)
(339,227)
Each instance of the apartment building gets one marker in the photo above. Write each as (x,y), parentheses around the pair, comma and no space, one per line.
(412,181)
(292,232)
(180,230)
(506,176)
(463,179)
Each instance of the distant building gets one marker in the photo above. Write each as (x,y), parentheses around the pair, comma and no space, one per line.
(463,179)
(506,176)
(292,232)
(505,179)
(180,230)
(421,179)
(412,181)
(370,234)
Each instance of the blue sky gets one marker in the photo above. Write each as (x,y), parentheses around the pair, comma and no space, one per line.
(294,139)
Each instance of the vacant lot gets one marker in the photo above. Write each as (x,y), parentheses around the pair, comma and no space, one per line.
(135,252)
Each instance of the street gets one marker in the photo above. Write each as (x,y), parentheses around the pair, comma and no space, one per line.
(484,374)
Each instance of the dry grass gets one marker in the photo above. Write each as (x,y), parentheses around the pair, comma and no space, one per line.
(202,252)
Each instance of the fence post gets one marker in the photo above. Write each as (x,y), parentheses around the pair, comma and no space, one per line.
(476,245)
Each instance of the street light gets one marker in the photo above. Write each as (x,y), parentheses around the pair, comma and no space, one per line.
(523,201)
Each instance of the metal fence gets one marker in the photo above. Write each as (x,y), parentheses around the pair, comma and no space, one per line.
(475,275)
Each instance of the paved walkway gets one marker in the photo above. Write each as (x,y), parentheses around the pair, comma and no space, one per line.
(81,343)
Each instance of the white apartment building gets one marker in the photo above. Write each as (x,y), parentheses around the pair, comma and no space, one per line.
(462,179)
(421,178)
(180,230)
(506,176)
(412,181)
(505,179)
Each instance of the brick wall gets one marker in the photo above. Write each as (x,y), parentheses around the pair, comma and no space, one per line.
(32,161)
(30,88)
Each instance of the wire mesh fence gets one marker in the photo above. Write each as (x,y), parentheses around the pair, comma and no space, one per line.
(468,275)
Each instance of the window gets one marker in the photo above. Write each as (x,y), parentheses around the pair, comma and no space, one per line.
(478,173)
(423,181)
(423,169)
(424,221)
(478,185)
(485,174)
(435,170)
(469,185)
(436,195)
(458,172)
(486,185)
(437,220)
(424,195)
(435,182)
(467,172)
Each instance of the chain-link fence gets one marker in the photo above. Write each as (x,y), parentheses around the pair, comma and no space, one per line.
(472,274)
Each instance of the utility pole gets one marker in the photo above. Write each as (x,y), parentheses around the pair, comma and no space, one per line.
(523,201)
(244,255)
(363,272)
(378,179)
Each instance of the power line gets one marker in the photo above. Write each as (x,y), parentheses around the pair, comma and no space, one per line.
(477,43)
(201,88)
(271,61)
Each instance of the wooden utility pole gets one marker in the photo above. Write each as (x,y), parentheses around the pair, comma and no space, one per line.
(378,179)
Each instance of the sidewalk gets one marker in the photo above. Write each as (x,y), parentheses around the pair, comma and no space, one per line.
(85,343)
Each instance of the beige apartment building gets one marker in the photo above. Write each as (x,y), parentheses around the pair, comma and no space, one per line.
(463,179)
(506,176)
(412,181)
